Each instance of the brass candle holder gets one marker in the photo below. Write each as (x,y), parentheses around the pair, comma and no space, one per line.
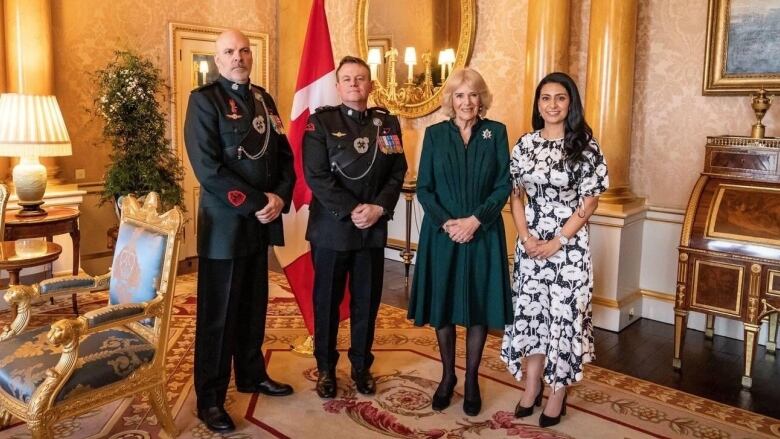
(760,104)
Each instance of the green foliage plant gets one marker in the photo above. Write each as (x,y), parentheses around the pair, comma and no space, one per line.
(142,159)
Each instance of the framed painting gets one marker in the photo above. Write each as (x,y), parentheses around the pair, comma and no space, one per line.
(742,48)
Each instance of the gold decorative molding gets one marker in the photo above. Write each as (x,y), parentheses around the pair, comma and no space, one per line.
(685,235)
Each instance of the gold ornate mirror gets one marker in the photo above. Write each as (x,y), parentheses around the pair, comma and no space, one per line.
(412,46)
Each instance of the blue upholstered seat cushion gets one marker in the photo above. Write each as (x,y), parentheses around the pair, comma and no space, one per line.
(138,262)
(104,358)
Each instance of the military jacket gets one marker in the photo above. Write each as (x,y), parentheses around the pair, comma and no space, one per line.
(238,150)
(351,157)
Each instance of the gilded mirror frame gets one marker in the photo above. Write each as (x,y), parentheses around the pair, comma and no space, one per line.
(468,27)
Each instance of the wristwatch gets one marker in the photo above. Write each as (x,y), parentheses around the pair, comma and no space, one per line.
(563,239)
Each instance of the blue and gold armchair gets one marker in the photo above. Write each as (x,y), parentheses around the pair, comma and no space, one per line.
(75,365)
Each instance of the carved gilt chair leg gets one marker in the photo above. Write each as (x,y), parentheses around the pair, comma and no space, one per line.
(5,418)
(771,343)
(39,430)
(162,411)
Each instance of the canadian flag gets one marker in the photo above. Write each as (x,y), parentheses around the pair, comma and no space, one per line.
(316,87)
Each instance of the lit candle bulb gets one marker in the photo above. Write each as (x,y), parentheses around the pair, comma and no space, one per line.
(374,59)
(410,59)
(443,64)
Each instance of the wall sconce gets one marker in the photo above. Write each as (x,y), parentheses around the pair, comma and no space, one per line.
(391,95)
(31,126)
(373,60)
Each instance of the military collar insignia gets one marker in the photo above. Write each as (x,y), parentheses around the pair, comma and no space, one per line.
(259,124)
(487,134)
(361,144)
(338,134)
(234,86)
(233,110)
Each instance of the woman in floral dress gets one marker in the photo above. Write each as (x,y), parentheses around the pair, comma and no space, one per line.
(560,170)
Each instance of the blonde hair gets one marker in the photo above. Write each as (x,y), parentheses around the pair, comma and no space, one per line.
(474,80)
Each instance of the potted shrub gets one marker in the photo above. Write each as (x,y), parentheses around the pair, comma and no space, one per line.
(141,159)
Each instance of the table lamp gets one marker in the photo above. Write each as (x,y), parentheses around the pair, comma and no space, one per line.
(31,126)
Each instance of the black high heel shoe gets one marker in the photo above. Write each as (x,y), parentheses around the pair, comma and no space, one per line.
(549,421)
(472,406)
(441,402)
(522,412)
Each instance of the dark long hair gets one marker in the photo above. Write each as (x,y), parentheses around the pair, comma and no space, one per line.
(577,133)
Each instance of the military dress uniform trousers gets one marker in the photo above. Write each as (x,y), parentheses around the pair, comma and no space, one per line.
(230,325)
(365,269)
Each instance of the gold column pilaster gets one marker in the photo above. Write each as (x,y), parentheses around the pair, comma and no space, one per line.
(547,48)
(610,91)
(29,55)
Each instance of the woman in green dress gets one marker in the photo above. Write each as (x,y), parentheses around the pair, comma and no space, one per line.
(461,276)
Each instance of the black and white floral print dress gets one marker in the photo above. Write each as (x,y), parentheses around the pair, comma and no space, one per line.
(552,298)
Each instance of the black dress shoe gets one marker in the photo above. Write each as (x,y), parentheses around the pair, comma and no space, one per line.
(326,384)
(442,401)
(267,387)
(522,412)
(549,421)
(216,419)
(364,382)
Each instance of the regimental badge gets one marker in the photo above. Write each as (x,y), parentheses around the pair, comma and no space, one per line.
(276,122)
(233,110)
(259,124)
(390,144)
(236,197)
(377,122)
(361,144)
(338,134)
(487,134)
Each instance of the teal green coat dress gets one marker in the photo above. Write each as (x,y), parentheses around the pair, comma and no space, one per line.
(463,284)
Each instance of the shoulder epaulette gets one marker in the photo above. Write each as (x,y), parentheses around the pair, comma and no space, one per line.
(380,110)
(205,86)
(326,108)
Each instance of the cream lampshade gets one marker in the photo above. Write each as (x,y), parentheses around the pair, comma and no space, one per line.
(31,126)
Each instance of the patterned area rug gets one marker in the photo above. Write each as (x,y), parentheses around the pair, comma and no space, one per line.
(605,405)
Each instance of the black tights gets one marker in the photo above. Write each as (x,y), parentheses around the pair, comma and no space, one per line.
(475,342)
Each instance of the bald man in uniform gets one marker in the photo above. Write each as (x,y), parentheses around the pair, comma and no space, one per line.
(240,155)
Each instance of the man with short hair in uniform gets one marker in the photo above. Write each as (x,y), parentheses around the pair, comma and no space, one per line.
(354,164)
(240,155)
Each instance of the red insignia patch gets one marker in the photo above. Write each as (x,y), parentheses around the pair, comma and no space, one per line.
(309,127)
(236,197)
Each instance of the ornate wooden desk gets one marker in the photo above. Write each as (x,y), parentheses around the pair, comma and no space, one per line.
(729,253)
(59,220)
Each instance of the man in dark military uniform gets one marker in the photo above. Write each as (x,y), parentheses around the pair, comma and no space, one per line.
(240,155)
(354,164)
